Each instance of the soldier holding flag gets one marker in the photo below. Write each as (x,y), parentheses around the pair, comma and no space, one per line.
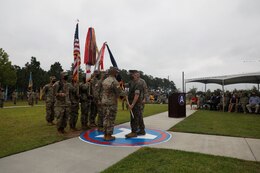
(111,90)
(62,104)
(48,96)
(2,96)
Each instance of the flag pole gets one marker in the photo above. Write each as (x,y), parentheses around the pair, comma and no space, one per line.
(131,112)
(78,62)
(77,83)
(76,55)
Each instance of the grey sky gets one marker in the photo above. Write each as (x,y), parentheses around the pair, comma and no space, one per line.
(160,37)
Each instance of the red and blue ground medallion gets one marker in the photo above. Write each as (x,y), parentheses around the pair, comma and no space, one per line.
(152,137)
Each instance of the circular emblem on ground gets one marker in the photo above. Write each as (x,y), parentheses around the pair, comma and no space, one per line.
(152,137)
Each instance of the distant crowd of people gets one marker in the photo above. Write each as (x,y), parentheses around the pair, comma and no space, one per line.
(238,101)
(32,97)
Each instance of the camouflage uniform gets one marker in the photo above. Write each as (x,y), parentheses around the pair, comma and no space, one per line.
(110,93)
(137,123)
(48,95)
(37,96)
(84,91)
(97,93)
(243,102)
(93,104)
(14,97)
(144,93)
(74,98)
(62,104)
(2,95)
(30,95)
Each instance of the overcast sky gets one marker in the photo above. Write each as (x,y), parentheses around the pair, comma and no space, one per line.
(159,37)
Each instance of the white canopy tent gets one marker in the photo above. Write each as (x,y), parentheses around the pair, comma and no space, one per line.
(251,78)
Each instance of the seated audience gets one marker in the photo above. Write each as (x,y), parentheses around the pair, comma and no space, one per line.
(194,101)
(242,102)
(201,101)
(232,102)
(254,102)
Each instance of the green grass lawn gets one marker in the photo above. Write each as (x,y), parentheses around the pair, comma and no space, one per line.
(20,103)
(25,128)
(164,160)
(221,123)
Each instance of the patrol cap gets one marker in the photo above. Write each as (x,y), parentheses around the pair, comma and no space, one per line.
(133,71)
(52,78)
(103,72)
(96,72)
(113,69)
(64,73)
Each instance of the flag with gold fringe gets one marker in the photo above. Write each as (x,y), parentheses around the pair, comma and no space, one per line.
(90,51)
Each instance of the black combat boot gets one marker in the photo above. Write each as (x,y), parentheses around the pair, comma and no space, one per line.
(141,132)
(109,137)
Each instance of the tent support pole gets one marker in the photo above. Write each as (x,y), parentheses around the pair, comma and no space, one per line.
(183,87)
(223,95)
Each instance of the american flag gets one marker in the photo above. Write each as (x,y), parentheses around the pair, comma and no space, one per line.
(76,53)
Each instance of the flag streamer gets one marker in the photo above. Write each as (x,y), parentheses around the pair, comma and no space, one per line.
(100,59)
(113,61)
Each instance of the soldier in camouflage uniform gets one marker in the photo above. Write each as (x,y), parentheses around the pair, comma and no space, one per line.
(74,98)
(36,96)
(2,96)
(145,89)
(97,96)
(62,102)
(93,104)
(30,96)
(135,97)
(243,101)
(110,92)
(84,91)
(47,94)
(14,97)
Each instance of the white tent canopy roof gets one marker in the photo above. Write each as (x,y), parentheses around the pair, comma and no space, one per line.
(253,78)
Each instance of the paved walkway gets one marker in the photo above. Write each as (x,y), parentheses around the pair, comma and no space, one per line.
(76,156)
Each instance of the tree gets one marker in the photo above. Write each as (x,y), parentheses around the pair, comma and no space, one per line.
(156,83)
(124,75)
(39,76)
(193,90)
(7,71)
(55,70)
